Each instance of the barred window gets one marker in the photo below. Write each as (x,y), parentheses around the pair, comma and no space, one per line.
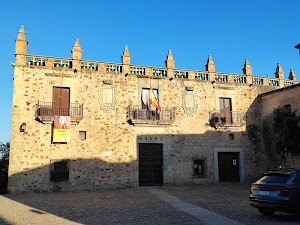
(59,170)
(199,167)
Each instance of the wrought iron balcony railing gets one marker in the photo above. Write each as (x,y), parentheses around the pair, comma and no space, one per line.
(45,111)
(138,115)
(226,119)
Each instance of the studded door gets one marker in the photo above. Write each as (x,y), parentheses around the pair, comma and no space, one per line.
(150,164)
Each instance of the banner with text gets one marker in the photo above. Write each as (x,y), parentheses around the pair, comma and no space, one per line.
(61,132)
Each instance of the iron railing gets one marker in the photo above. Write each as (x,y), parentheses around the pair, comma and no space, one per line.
(136,114)
(222,118)
(48,109)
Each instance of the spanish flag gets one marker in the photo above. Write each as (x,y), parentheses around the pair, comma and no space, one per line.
(153,100)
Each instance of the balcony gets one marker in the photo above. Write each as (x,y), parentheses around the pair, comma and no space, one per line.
(45,112)
(222,119)
(135,115)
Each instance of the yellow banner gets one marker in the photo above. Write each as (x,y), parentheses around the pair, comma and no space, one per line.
(61,135)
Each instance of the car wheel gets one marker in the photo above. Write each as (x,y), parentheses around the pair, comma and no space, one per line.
(266,211)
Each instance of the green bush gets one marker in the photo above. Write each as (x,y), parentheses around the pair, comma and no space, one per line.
(286,126)
(4,157)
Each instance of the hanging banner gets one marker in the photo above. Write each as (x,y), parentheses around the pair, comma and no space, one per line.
(61,131)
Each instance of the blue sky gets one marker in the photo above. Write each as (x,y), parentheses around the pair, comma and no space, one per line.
(263,31)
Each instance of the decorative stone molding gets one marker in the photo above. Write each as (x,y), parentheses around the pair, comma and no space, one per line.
(189,103)
(107,97)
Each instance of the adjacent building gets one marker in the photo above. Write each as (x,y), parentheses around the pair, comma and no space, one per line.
(89,125)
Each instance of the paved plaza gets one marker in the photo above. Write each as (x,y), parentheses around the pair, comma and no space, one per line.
(225,203)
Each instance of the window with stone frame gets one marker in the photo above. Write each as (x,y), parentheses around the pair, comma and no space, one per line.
(59,170)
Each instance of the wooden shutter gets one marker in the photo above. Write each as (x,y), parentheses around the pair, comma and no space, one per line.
(65,101)
(225,109)
(61,101)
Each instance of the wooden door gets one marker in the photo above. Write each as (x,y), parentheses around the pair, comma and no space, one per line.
(229,167)
(225,110)
(61,101)
(150,164)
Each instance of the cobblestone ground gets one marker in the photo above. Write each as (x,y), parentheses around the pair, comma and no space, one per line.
(139,206)
(230,200)
(131,206)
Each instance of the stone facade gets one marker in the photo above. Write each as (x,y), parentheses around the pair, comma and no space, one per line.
(108,155)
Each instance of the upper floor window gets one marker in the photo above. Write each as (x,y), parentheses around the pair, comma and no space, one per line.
(145,98)
(60,170)
(225,109)
(61,101)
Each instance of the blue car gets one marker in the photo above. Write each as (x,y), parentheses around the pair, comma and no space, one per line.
(277,191)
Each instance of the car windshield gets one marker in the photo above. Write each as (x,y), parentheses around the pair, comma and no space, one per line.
(275,178)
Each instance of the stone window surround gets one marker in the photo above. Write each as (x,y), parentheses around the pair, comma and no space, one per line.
(60,82)
(225,94)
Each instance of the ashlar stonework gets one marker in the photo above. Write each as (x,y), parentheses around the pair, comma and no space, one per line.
(202,123)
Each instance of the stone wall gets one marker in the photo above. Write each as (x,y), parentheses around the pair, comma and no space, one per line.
(189,137)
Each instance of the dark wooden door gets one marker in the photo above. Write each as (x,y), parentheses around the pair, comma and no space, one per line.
(226,109)
(229,167)
(61,101)
(150,164)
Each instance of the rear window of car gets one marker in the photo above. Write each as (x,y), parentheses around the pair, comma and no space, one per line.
(275,178)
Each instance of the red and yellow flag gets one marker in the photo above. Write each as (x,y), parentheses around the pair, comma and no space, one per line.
(153,100)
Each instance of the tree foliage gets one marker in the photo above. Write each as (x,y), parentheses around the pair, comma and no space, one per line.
(4,157)
(286,126)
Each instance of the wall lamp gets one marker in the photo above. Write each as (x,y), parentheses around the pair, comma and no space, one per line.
(171,78)
(126,74)
(213,82)
(75,70)
(23,127)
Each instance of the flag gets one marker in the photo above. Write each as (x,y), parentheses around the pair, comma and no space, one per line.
(153,100)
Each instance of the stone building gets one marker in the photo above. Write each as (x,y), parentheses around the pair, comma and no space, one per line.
(88,125)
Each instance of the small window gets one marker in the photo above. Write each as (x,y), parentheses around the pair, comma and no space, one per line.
(82,135)
(199,167)
(287,106)
(59,170)
(231,137)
